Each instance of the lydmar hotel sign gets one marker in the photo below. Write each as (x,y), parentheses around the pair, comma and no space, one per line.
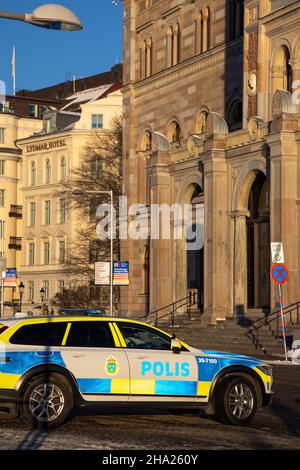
(50,145)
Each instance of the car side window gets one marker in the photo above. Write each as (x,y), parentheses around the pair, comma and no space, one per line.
(41,334)
(90,335)
(140,337)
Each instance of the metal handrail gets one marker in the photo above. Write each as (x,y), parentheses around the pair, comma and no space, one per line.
(188,301)
(268,321)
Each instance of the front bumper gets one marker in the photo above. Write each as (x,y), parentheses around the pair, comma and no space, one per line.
(8,402)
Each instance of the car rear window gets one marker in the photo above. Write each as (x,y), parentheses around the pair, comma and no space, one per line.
(43,334)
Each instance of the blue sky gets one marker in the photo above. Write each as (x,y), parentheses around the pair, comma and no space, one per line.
(47,57)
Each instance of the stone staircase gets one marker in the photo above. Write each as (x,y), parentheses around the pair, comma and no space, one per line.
(227,335)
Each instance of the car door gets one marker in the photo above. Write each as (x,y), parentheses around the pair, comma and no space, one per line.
(92,352)
(156,373)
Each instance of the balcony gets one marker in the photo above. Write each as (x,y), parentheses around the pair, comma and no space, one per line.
(16,211)
(15,243)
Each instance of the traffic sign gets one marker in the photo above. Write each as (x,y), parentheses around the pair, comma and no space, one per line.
(277,252)
(279,273)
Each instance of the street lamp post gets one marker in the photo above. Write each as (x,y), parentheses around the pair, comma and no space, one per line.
(50,16)
(42,294)
(21,292)
(110,193)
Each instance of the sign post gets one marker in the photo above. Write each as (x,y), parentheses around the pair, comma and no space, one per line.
(280,274)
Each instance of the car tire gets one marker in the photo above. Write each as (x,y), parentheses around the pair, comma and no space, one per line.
(46,401)
(236,401)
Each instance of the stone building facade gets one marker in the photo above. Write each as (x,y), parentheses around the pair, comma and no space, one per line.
(210,119)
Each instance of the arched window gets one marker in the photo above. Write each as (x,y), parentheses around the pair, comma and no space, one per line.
(206,30)
(235,115)
(201,31)
(173,45)
(282,70)
(48,171)
(147,58)
(146,143)
(201,122)
(63,169)
(33,174)
(174,132)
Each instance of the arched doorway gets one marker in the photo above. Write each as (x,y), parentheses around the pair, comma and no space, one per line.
(195,247)
(258,244)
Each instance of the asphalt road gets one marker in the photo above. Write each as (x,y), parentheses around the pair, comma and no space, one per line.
(276,427)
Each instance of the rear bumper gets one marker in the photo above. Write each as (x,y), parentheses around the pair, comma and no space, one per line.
(8,402)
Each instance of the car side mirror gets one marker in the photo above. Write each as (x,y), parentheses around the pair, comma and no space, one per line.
(175,345)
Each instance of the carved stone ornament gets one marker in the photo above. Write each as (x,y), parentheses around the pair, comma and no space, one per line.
(252,83)
(253,127)
(253,15)
(192,146)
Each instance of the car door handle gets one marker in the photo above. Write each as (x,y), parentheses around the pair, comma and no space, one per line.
(78,356)
(141,358)
(44,354)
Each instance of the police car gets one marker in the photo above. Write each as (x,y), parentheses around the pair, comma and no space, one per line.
(50,365)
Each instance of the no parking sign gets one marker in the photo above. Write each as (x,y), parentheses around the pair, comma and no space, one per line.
(279,273)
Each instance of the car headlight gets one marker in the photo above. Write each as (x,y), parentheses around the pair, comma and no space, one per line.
(266,370)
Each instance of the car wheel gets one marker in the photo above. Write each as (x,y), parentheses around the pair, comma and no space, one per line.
(236,401)
(47,401)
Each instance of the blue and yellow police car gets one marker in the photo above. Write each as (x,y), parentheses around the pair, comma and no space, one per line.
(50,365)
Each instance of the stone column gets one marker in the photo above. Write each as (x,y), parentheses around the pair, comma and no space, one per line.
(283,201)
(161,265)
(240,263)
(216,229)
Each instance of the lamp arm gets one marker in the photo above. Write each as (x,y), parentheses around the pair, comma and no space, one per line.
(12,16)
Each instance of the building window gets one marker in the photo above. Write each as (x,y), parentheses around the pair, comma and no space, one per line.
(61,251)
(2,135)
(46,253)
(47,212)
(173,45)
(33,110)
(174,132)
(97,121)
(2,167)
(237,18)
(32,214)
(63,169)
(61,286)
(2,197)
(147,58)
(201,122)
(33,174)
(97,167)
(146,271)
(235,116)
(46,289)
(62,211)
(31,291)
(94,251)
(31,253)
(48,171)
(282,70)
